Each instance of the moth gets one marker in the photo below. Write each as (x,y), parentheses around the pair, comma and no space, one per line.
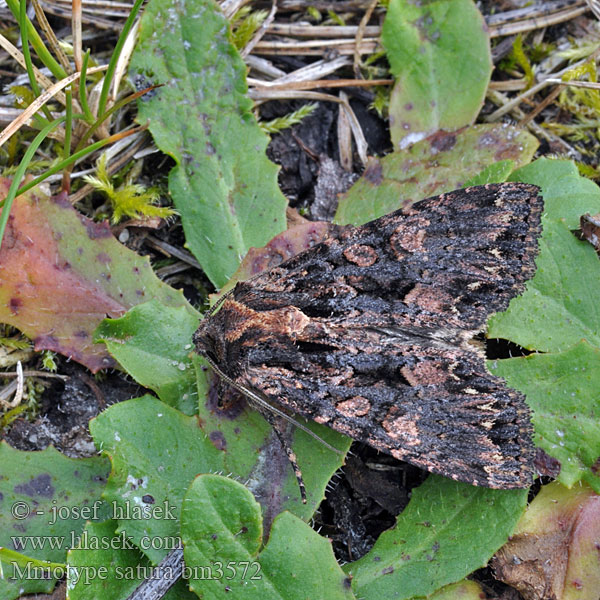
(374,332)
(590,229)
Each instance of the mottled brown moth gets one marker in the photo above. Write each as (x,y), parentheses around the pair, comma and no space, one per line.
(371,332)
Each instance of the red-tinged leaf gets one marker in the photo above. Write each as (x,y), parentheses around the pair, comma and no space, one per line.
(61,274)
(553,552)
(283,246)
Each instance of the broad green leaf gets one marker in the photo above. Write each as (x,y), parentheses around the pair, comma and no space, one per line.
(562,390)
(21,574)
(567,195)
(448,530)
(97,560)
(554,549)
(439,53)
(221,528)
(558,314)
(252,451)
(560,305)
(494,173)
(154,345)
(45,499)
(463,590)
(152,342)
(62,273)
(438,164)
(223,185)
(155,452)
(106,565)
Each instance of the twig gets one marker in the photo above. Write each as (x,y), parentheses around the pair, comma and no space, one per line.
(170,250)
(94,19)
(20,386)
(539,9)
(6,392)
(39,102)
(14,386)
(268,94)
(36,374)
(538,22)
(261,31)
(316,47)
(77,34)
(359,37)
(165,576)
(594,85)
(344,135)
(510,85)
(319,83)
(44,81)
(51,37)
(540,107)
(352,46)
(500,24)
(170,270)
(322,31)
(263,66)
(317,70)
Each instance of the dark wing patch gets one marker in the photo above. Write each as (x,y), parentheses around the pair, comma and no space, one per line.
(451,261)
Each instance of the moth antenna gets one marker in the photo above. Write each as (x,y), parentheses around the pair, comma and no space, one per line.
(213,309)
(252,395)
(270,417)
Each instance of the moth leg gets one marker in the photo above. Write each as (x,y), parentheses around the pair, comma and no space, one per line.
(279,426)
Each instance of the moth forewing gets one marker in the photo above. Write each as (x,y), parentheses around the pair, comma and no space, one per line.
(370,332)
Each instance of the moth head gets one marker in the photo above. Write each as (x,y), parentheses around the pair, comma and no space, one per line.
(209,341)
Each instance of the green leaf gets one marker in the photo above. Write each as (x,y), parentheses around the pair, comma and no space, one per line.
(221,528)
(562,390)
(253,452)
(441,163)
(94,565)
(558,314)
(463,590)
(62,273)
(152,342)
(223,185)
(567,195)
(155,452)
(494,173)
(44,497)
(20,574)
(439,53)
(560,305)
(448,530)
(105,566)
